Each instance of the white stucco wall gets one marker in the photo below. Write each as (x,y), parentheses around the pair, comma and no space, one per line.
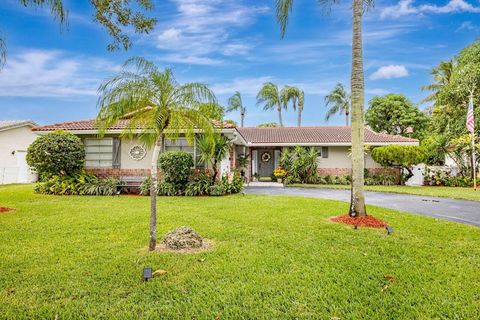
(126,162)
(13,167)
(339,157)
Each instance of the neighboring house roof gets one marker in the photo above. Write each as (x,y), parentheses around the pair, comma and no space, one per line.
(90,125)
(12,124)
(322,135)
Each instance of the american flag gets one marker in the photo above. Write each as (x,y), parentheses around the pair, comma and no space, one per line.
(470,118)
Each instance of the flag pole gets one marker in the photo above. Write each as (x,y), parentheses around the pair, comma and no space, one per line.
(474,161)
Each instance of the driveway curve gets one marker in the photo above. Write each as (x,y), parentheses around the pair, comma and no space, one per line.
(462,211)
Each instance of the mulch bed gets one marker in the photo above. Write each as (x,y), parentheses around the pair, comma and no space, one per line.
(5,209)
(368,221)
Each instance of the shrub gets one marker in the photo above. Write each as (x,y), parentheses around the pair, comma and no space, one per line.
(168,189)
(145,186)
(199,184)
(216,190)
(56,153)
(232,183)
(176,167)
(301,164)
(403,157)
(80,184)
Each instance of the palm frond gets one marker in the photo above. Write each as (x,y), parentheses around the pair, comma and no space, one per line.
(268,96)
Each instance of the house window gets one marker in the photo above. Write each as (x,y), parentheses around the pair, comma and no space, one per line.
(99,152)
(182,145)
(324,152)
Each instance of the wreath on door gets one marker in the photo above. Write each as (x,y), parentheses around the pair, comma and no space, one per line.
(266,157)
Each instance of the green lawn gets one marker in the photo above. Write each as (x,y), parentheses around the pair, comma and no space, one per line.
(274,258)
(446,192)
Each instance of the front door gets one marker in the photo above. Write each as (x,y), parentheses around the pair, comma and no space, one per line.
(265,163)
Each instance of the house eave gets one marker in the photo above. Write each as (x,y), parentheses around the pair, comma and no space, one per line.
(328,144)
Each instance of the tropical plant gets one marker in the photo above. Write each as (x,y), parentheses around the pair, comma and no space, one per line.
(56,153)
(213,151)
(339,102)
(232,183)
(296,97)
(114,16)
(441,75)
(242,160)
(212,110)
(284,8)
(199,184)
(269,96)
(79,184)
(154,101)
(235,104)
(403,157)
(300,164)
(396,114)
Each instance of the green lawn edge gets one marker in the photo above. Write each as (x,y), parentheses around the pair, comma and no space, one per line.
(443,192)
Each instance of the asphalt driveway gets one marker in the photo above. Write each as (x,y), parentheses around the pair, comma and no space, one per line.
(462,211)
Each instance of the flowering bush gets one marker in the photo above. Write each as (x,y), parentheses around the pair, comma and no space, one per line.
(280,172)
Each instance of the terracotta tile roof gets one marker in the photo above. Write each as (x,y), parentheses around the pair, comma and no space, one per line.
(88,125)
(321,134)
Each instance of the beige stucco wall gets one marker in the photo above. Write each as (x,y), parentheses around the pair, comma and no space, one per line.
(17,139)
(338,157)
(126,162)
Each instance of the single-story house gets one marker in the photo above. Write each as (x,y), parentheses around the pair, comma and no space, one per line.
(113,155)
(15,137)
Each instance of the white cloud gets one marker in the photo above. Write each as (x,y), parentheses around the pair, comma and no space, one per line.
(468,26)
(407,7)
(203,31)
(49,73)
(389,72)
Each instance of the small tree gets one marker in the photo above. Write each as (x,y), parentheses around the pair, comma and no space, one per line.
(395,114)
(56,153)
(212,152)
(403,157)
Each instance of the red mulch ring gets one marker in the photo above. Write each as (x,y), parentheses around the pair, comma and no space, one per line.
(5,209)
(367,221)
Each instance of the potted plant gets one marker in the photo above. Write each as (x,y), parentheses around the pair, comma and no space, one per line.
(280,173)
(256,176)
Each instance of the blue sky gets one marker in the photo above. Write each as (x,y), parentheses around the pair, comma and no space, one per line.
(52,75)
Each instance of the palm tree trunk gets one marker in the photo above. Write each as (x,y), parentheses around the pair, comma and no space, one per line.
(346,118)
(153,194)
(357,205)
(242,118)
(299,120)
(279,109)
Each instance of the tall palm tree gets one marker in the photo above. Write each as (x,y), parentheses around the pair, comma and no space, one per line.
(152,102)
(235,104)
(441,78)
(270,97)
(297,97)
(339,102)
(284,8)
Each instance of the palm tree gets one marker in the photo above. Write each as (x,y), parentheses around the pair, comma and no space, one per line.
(296,96)
(212,151)
(235,104)
(284,8)
(441,77)
(339,102)
(270,97)
(152,102)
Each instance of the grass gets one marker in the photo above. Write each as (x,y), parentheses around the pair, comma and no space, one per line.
(445,192)
(274,258)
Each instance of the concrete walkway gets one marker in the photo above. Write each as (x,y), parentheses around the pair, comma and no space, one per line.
(463,211)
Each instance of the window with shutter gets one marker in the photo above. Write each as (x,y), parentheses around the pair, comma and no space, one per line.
(324,152)
(99,152)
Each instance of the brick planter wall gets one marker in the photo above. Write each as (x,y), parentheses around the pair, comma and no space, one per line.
(117,173)
(348,171)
